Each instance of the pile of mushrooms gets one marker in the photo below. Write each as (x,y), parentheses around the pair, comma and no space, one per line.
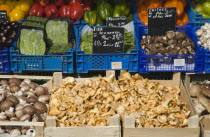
(92,101)
(23,101)
(200,93)
(204,35)
(171,43)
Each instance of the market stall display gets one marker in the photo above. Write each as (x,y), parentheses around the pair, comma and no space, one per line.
(74,39)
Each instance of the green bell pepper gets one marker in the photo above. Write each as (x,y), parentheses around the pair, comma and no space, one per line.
(104,10)
(121,9)
(90,17)
(99,21)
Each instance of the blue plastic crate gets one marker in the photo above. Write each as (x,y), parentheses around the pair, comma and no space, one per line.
(165,63)
(4,61)
(95,62)
(62,63)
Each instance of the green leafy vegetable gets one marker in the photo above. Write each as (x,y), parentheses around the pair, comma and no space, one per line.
(31,42)
(57,36)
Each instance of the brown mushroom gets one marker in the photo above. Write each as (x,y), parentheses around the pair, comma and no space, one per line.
(180,36)
(33,85)
(25,87)
(44,98)
(37,118)
(25,117)
(18,107)
(40,91)
(13,99)
(40,106)
(183,51)
(14,88)
(19,113)
(27,81)
(4,82)
(13,84)
(14,119)
(29,110)
(170,34)
(22,99)
(5,105)
(172,42)
(10,113)
(18,81)
(32,99)
(30,94)
(195,90)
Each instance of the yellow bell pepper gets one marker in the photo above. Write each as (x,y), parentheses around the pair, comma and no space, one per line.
(16,15)
(24,6)
(11,3)
(6,8)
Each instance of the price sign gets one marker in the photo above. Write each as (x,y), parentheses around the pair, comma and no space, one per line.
(161,20)
(179,62)
(3,15)
(108,40)
(116,21)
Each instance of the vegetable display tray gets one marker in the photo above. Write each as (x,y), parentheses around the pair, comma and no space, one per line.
(4,61)
(37,126)
(193,129)
(42,63)
(166,62)
(111,61)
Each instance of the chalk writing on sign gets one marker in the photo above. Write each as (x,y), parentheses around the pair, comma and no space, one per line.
(108,40)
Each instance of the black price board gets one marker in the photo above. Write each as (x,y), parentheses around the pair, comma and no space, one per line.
(116,21)
(3,15)
(161,20)
(108,40)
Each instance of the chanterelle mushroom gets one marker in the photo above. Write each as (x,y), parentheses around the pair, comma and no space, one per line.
(92,102)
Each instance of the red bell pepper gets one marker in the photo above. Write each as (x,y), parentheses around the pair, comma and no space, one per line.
(77,11)
(51,11)
(36,10)
(65,11)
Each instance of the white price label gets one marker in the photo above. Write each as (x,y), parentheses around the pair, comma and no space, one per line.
(179,62)
(116,65)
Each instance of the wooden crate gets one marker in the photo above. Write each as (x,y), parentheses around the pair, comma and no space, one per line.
(193,130)
(113,130)
(38,126)
(189,77)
